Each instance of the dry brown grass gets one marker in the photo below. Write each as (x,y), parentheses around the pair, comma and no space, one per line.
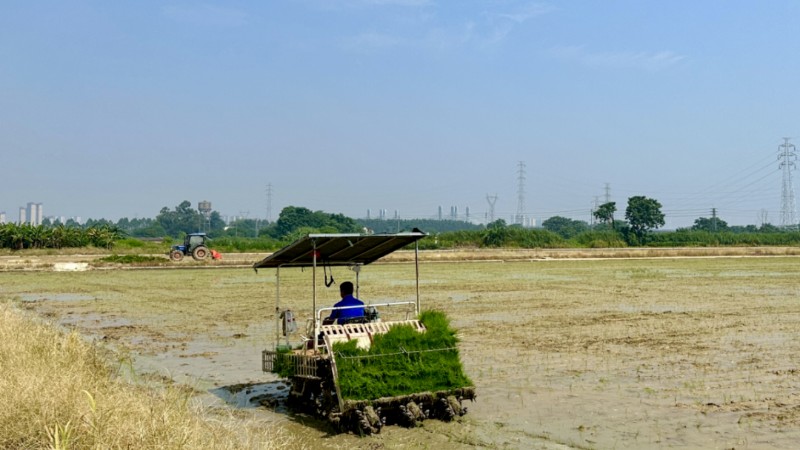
(59,392)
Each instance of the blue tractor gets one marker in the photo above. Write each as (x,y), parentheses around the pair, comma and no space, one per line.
(194,244)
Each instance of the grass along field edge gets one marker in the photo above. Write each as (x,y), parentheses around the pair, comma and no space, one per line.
(61,392)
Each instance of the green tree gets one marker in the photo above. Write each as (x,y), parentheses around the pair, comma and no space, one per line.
(643,214)
(18,237)
(183,219)
(295,217)
(769,228)
(605,213)
(743,228)
(712,224)
(215,224)
(495,234)
(430,226)
(104,235)
(565,227)
(243,228)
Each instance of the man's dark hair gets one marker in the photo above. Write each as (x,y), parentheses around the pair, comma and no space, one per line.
(346,288)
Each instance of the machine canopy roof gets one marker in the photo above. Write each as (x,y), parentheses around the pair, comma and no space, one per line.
(338,249)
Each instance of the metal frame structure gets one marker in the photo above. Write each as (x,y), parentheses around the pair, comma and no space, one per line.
(352,250)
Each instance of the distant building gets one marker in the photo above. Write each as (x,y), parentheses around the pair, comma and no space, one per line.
(2,217)
(33,214)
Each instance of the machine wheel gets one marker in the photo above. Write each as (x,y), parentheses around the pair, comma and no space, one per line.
(199,253)
(368,421)
(176,255)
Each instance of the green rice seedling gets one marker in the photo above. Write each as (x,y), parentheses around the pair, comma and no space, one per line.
(402,361)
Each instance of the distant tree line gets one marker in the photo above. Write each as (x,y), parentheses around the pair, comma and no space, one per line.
(643,216)
(25,236)
(639,227)
(429,225)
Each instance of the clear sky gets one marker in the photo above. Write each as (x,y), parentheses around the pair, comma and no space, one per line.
(116,109)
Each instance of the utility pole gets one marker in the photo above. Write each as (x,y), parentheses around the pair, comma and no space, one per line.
(520,218)
(788,156)
(269,202)
(241,214)
(714,219)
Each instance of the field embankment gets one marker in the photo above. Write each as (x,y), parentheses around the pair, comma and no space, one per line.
(47,260)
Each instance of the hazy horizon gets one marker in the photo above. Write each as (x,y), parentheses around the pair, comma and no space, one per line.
(118,109)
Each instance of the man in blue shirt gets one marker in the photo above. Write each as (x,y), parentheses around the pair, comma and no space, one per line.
(344,315)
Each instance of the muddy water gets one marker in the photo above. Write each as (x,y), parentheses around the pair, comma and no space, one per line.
(564,354)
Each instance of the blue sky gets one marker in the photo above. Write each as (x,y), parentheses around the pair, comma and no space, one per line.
(116,109)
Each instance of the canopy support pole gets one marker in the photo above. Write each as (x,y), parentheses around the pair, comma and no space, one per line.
(314,291)
(277,307)
(416,266)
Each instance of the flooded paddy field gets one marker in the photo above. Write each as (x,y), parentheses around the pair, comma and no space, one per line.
(567,353)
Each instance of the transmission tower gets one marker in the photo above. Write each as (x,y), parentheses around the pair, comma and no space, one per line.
(608,193)
(763,217)
(269,203)
(520,217)
(492,199)
(788,156)
(714,219)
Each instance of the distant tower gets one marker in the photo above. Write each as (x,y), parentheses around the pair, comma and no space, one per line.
(466,214)
(269,203)
(714,219)
(763,217)
(520,217)
(2,217)
(23,217)
(440,212)
(491,199)
(608,193)
(205,209)
(788,156)
(33,214)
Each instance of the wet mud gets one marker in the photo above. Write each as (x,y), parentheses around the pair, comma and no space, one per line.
(564,354)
